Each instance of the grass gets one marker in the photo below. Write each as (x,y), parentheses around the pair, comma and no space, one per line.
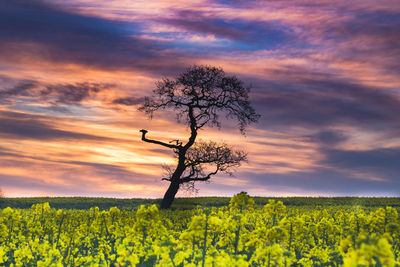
(190,203)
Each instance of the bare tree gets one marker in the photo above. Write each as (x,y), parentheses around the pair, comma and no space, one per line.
(199,97)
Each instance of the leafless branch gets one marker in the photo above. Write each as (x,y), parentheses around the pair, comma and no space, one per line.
(144,132)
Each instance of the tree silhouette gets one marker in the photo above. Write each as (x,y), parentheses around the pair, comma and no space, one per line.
(199,96)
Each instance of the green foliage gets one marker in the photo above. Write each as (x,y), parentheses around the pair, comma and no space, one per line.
(241,234)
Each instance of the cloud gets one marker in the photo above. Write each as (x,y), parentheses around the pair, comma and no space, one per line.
(370,36)
(23,88)
(329,138)
(20,125)
(37,30)
(72,93)
(316,102)
(321,182)
(72,177)
(382,160)
(128,101)
(341,172)
(26,183)
(54,93)
(266,35)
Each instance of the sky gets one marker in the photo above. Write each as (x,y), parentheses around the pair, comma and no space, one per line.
(325,78)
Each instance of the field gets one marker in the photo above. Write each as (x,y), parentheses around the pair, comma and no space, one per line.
(241,231)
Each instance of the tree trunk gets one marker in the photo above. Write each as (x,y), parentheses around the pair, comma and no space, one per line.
(170,195)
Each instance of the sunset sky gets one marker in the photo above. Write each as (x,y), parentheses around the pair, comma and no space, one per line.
(325,77)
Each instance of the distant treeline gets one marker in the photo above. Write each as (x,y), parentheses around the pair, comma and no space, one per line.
(189,203)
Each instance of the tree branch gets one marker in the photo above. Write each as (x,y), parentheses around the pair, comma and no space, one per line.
(193,179)
(193,128)
(144,132)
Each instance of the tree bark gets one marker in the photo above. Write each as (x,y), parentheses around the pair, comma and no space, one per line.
(170,195)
